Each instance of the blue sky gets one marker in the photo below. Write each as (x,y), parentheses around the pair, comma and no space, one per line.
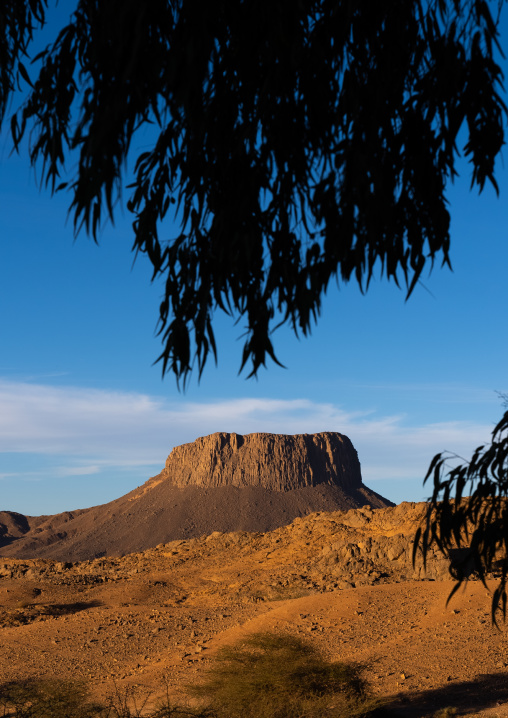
(85,416)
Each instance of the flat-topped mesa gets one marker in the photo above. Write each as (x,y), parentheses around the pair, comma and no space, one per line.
(222,482)
(278,462)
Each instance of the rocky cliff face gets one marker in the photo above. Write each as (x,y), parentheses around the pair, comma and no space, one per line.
(222,482)
(276,462)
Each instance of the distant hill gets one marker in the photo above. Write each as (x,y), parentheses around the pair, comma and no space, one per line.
(222,482)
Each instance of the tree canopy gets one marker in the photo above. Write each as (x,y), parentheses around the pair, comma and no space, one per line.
(469,510)
(296,142)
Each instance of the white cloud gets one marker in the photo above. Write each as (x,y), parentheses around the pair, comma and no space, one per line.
(87,431)
(78,470)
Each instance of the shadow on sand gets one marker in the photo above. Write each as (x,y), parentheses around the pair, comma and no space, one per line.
(468,697)
(67,609)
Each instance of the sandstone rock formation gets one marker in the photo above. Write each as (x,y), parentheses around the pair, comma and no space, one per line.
(277,462)
(222,482)
(324,551)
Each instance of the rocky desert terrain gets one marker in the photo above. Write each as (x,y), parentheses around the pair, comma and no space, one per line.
(240,535)
(342,580)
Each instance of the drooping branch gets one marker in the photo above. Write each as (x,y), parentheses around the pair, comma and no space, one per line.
(469,509)
(296,143)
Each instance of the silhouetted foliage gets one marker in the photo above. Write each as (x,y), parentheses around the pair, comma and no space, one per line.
(297,142)
(469,509)
(18,20)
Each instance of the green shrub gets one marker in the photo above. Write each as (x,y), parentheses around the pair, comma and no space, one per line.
(36,698)
(447,712)
(280,676)
(265,676)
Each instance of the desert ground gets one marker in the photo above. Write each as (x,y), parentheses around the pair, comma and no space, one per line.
(334,579)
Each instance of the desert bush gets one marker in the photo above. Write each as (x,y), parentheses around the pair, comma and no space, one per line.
(279,676)
(36,698)
(131,702)
(266,676)
(128,702)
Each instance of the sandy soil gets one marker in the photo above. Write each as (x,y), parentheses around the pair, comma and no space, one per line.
(422,655)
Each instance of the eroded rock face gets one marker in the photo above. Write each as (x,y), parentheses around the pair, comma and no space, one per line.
(277,462)
(222,482)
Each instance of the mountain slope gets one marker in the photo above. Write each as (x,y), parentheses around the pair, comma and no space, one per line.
(223,482)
